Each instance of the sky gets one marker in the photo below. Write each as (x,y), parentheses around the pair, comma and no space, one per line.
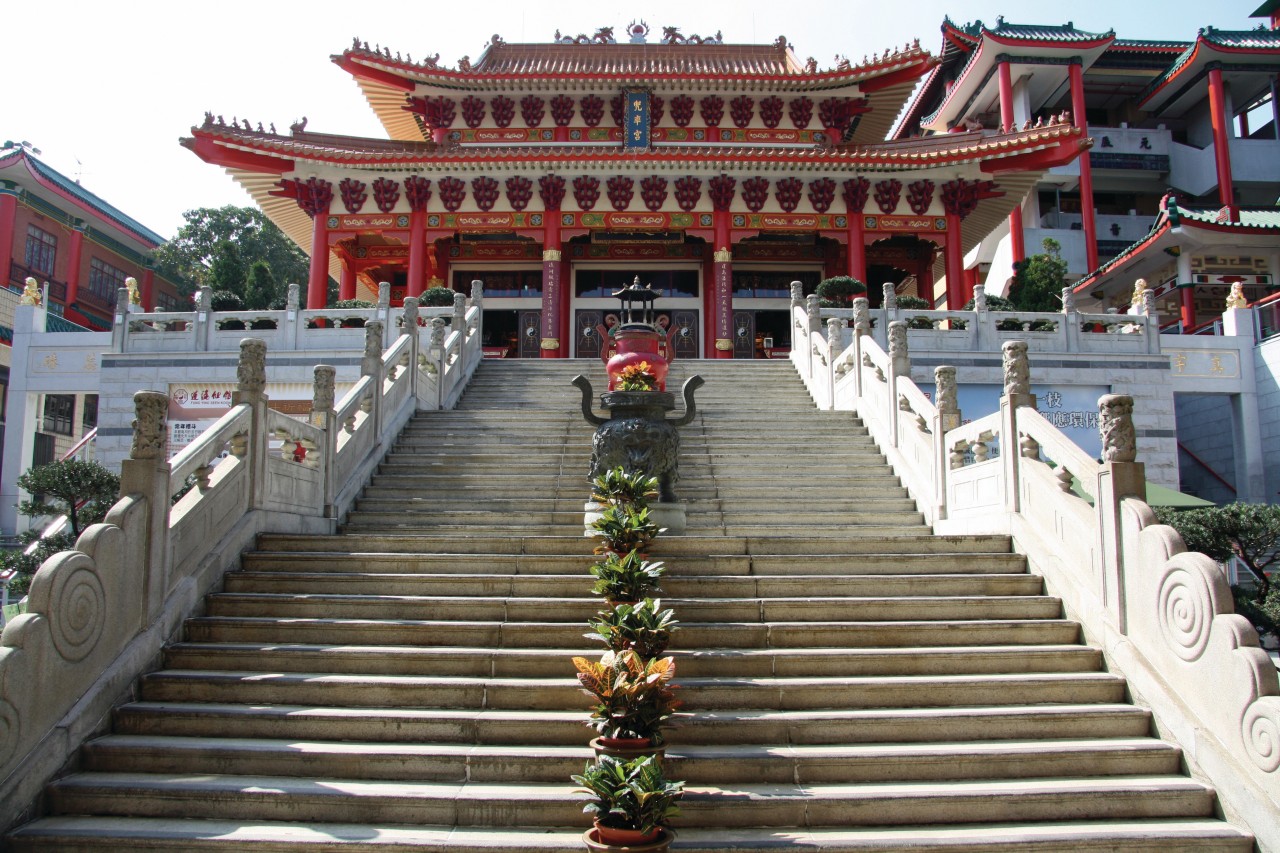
(105,90)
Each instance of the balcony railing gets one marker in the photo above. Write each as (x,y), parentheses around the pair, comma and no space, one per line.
(18,274)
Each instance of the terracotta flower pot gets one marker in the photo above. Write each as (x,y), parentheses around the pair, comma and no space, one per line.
(660,841)
(626,747)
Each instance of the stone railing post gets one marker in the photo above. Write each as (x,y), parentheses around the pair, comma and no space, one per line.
(477,302)
(145,474)
(813,323)
(1017,393)
(889,301)
(797,295)
(946,418)
(371,365)
(251,386)
(324,416)
(383,315)
(983,334)
(861,328)
(1151,321)
(835,346)
(292,322)
(436,357)
(204,319)
(459,320)
(899,365)
(1071,317)
(409,326)
(120,321)
(1120,476)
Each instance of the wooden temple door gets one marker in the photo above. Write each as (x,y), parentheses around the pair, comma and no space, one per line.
(685,340)
(744,334)
(529,322)
(586,340)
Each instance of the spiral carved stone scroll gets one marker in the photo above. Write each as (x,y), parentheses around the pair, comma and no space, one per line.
(1185,612)
(78,607)
(1261,733)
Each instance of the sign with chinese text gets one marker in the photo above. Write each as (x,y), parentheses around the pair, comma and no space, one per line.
(636,120)
(1071,408)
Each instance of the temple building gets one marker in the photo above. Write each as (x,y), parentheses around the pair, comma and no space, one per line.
(1184,170)
(557,171)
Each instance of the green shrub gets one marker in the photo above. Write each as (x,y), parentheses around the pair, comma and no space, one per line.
(839,291)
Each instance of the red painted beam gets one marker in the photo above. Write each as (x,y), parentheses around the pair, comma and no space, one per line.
(894,78)
(211,152)
(1045,158)
(357,69)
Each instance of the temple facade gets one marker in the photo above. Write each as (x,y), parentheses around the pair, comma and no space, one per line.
(555,172)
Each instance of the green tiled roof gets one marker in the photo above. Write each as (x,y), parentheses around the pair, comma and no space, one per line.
(1261,38)
(1147,44)
(1031,32)
(1259,217)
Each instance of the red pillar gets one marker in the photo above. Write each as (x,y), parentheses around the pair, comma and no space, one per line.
(318,279)
(74,256)
(722,282)
(347,284)
(1187,296)
(417,253)
(924,278)
(953,258)
(555,332)
(1222,142)
(857,248)
(442,263)
(8,222)
(1086,171)
(147,291)
(1007,121)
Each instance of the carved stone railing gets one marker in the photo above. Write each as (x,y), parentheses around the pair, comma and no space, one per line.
(98,615)
(1163,617)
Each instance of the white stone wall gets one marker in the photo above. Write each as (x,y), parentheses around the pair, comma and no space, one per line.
(1267,372)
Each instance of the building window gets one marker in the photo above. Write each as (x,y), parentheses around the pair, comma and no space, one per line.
(172,302)
(89,412)
(41,251)
(515,284)
(59,413)
(105,280)
(602,283)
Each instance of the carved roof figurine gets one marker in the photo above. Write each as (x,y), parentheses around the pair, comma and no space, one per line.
(1139,285)
(299,126)
(1235,299)
(30,292)
(464,64)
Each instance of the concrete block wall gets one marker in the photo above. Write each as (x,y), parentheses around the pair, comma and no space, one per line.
(1146,378)
(1205,429)
(1267,373)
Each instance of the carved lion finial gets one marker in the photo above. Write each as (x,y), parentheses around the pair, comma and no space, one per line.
(1139,287)
(1017,372)
(1235,299)
(30,292)
(1115,423)
(149,429)
(131,285)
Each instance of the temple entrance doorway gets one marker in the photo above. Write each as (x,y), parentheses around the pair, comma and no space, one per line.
(511,334)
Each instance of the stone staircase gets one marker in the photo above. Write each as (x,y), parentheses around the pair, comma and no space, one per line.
(851,682)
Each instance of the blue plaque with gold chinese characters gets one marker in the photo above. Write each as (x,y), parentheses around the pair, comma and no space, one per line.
(635,124)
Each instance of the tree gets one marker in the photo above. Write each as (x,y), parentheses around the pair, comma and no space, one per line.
(227,271)
(261,292)
(188,257)
(1038,280)
(1250,532)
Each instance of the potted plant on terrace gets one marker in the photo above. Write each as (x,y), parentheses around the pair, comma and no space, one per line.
(634,699)
(626,578)
(616,487)
(644,627)
(637,377)
(632,806)
(623,528)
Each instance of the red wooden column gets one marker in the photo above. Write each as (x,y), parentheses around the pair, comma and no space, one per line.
(1222,141)
(855,192)
(1007,122)
(1187,299)
(555,327)
(8,222)
(147,291)
(347,284)
(1087,215)
(314,196)
(722,189)
(417,192)
(959,198)
(75,254)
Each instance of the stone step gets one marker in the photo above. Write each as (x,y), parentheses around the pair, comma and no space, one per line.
(411,516)
(691,663)
(572,585)
(704,695)
(495,804)
(699,765)
(561,728)
(991,632)
(812,610)
(180,835)
(825,567)
(378,498)
(482,542)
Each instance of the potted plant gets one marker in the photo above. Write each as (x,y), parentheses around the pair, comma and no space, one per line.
(839,291)
(634,698)
(617,487)
(632,804)
(637,377)
(915,303)
(644,628)
(626,578)
(624,528)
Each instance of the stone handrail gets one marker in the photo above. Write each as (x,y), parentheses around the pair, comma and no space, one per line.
(1163,616)
(99,614)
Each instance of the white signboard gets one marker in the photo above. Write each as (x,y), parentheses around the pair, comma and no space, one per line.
(1071,408)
